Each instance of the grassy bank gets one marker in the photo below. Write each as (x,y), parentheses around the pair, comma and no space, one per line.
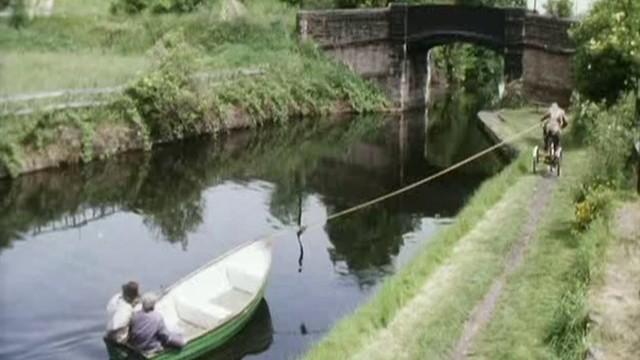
(353,333)
(542,309)
(170,96)
(545,307)
(529,322)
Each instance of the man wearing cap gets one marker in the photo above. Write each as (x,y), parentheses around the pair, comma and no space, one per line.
(119,311)
(148,330)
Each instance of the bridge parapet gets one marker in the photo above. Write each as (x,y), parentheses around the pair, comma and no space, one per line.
(390,45)
(341,28)
(548,33)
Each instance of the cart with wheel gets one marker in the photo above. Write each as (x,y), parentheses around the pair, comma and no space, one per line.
(552,158)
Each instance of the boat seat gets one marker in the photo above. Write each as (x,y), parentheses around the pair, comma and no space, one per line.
(202,314)
(242,280)
(233,300)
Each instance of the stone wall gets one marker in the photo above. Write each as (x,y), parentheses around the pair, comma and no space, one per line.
(547,59)
(340,28)
(360,39)
(548,33)
(547,77)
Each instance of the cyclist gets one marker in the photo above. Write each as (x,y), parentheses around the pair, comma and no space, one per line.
(556,120)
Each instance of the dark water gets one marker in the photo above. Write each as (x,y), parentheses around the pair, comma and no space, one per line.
(69,238)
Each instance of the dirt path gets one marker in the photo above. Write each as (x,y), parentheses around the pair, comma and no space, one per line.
(483,312)
(401,338)
(616,303)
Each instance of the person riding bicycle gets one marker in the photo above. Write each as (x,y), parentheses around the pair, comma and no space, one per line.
(556,120)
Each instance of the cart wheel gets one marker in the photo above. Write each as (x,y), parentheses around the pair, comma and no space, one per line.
(558,160)
(535,159)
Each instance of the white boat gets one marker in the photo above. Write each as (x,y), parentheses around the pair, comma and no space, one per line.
(211,304)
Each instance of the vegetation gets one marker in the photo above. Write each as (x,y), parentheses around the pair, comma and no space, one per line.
(188,86)
(19,17)
(607,61)
(559,8)
(155,6)
(352,333)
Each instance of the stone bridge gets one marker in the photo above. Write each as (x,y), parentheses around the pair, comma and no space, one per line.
(390,45)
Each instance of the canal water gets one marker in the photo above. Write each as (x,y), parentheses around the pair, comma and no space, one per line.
(69,238)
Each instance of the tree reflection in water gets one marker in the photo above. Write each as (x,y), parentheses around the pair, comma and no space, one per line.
(340,162)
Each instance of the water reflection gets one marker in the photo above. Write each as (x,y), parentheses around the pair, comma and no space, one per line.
(452,133)
(255,338)
(155,217)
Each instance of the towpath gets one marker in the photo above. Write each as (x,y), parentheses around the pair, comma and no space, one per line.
(512,221)
(616,302)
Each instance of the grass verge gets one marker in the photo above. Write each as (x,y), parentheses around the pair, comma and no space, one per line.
(169,101)
(536,296)
(351,334)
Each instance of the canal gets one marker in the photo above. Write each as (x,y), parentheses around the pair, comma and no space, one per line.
(69,238)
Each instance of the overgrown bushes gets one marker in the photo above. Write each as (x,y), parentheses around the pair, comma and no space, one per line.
(607,60)
(174,99)
(155,6)
(610,132)
(165,97)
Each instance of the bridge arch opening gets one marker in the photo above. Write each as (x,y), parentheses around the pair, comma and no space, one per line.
(467,66)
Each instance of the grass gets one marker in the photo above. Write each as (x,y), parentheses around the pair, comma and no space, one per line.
(615,332)
(434,320)
(82,44)
(528,305)
(352,334)
(82,47)
(31,72)
(542,312)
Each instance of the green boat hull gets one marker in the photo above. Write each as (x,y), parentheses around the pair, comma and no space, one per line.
(195,348)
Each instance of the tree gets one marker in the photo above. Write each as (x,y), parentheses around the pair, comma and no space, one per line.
(607,60)
(559,8)
(19,17)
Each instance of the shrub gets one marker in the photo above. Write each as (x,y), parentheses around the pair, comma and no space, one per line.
(127,6)
(165,97)
(155,6)
(610,132)
(592,201)
(611,138)
(19,17)
(607,59)
(174,6)
(559,8)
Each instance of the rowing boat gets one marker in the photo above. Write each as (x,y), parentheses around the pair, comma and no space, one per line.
(210,305)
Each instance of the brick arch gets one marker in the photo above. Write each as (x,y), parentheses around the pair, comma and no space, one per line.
(389,45)
(439,38)
(432,25)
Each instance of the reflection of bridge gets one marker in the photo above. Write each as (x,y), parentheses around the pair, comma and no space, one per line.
(390,45)
(76,220)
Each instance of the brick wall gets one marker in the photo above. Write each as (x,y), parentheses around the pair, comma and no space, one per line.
(548,33)
(340,28)
(547,76)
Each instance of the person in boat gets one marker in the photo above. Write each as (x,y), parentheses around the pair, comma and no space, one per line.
(120,310)
(556,120)
(149,333)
